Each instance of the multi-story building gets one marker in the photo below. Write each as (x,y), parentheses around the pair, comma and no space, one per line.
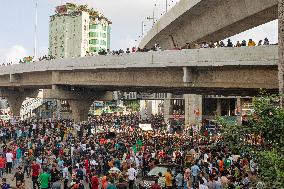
(76,30)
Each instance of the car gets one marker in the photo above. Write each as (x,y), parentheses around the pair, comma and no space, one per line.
(152,175)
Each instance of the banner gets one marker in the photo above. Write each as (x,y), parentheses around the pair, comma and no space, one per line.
(145,127)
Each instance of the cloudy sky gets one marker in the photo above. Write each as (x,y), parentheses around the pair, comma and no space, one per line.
(18,17)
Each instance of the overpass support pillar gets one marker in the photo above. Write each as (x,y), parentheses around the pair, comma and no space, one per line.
(193,109)
(80,109)
(15,103)
(239,110)
(219,107)
(281,49)
(168,108)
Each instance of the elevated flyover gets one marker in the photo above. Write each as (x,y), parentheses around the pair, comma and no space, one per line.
(226,71)
(195,21)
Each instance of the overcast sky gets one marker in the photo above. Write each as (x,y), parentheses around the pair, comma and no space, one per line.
(18,17)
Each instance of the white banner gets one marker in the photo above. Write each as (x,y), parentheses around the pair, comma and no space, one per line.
(146,127)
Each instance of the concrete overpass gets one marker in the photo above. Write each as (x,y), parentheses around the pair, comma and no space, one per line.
(227,71)
(195,21)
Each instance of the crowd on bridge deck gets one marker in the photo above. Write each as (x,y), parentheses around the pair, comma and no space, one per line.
(218,44)
(157,47)
(211,44)
(31,59)
(111,151)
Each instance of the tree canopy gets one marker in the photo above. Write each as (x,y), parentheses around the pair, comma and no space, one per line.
(261,137)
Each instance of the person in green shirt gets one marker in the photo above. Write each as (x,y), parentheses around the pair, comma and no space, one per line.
(111,185)
(227,163)
(44,179)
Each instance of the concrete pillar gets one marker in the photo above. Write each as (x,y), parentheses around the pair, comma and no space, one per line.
(149,109)
(155,106)
(281,49)
(143,109)
(219,107)
(168,108)
(239,110)
(193,109)
(15,103)
(80,109)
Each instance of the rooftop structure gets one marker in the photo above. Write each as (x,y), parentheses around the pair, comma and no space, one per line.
(76,30)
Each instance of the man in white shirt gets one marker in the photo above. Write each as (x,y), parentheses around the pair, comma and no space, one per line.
(9,160)
(132,173)
(202,185)
(65,173)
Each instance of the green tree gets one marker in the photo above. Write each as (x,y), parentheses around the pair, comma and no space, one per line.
(261,137)
(134,105)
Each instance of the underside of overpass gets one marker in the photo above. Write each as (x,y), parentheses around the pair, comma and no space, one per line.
(196,21)
(230,80)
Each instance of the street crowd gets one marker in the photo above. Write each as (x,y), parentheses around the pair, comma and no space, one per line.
(111,151)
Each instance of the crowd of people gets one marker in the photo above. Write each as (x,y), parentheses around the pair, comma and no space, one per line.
(244,43)
(157,47)
(111,151)
(30,59)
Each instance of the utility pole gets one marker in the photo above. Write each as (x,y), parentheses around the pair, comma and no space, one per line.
(166,6)
(281,50)
(153,17)
(35,34)
(143,25)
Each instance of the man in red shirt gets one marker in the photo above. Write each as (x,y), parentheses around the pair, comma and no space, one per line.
(155,185)
(95,182)
(35,173)
(2,165)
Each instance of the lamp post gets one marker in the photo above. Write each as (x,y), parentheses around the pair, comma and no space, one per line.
(153,16)
(166,6)
(35,30)
(143,28)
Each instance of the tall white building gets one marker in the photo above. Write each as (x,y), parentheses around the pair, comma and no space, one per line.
(76,30)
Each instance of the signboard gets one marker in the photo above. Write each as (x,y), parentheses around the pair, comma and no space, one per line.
(99,103)
(177,117)
(145,127)
(145,96)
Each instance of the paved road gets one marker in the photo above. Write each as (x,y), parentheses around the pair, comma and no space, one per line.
(28,181)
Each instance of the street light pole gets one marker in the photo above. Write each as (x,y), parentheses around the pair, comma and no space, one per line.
(166,6)
(152,18)
(142,29)
(35,30)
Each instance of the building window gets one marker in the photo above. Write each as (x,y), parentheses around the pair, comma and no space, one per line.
(93,26)
(103,42)
(103,35)
(93,34)
(92,49)
(93,41)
